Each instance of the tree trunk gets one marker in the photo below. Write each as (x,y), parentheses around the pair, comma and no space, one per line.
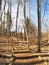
(17,16)
(24,18)
(4,15)
(0,9)
(10,14)
(8,30)
(0,4)
(39,25)
(0,12)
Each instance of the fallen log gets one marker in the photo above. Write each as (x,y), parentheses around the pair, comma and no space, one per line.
(30,54)
(29,60)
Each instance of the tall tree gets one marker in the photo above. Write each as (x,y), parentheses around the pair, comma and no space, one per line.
(3,23)
(10,15)
(4,10)
(17,16)
(0,15)
(24,18)
(31,28)
(0,4)
(8,20)
(0,9)
(10,8)
(39,24)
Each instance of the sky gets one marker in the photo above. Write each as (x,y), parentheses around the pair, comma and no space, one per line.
(33,13)
(44,12)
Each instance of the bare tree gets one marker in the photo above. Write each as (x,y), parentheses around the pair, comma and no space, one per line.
(10,14)
(39,25)
(17,16)
(24,18)
(4,10)
(0,15)
(3,23)
(0,9)
(0,4)
(8,20)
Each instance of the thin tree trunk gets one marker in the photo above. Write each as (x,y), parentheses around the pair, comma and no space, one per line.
(0,14)
(8,30)
(39,25)
(4,8)
(24,18)
(17,16)
(48,34)
(10,14)
(3,27)
(0,9)
(0,4)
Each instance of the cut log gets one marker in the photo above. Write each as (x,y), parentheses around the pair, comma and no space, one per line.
(29,60)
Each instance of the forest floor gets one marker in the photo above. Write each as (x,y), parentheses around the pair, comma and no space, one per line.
(30,57)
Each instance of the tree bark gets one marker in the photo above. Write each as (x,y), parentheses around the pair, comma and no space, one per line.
(10,14)
(4,9)
(17,16)
(4,15)
(24,18)
(8,22)
(0,9)
(39,25)
(0,4)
